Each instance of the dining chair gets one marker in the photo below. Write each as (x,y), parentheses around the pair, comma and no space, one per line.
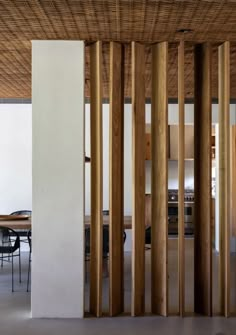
(22,212)
(22,232)
(10,248)
(148,238)
(29,264)
(105,247)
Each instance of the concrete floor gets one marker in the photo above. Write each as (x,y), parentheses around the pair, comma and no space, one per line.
(172,283)
(15,310)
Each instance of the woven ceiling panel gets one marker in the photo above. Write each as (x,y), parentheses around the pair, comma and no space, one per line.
(147,21)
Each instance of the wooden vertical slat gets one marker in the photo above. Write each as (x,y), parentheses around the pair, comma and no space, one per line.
(138,216)
(202,181)
(116,227)
(159,186)
(96,179)
(224,201)
(181,174)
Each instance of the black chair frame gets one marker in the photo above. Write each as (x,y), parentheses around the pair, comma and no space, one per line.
(23,232)
(10,244)
(29,265)
(105,247)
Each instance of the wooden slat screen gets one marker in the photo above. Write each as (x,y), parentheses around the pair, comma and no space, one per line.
(116,225)
(181,174)
(202,181)
(138,162)
(159,179)
(224,201)
(159,187)
(96,179)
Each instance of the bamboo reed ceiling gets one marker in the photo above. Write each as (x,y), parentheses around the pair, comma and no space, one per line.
(146,21)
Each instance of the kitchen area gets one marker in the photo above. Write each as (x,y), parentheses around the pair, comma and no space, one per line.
(173,179)
(172,166)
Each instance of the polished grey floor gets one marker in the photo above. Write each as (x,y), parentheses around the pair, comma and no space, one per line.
(15,315)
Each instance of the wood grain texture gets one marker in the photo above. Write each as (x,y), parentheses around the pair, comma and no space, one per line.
(138,216)
(233,179)
(188,141)
(224,188)
(16,224)
(96,179)
(181,174)
(116,228)
(11,217)
(106,221)
(202,181)
(159,186)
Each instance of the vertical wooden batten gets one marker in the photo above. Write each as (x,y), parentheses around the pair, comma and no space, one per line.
(224,171)
(181,173)
(159,186)
(202,181)
(116,226)
(138,215)
(96,179)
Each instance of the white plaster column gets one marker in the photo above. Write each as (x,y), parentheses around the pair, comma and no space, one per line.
(58,179)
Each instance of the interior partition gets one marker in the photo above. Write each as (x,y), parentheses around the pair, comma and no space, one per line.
(189,281)
(159,188)
(224,177)
(181,177)
(58,179)
(96,227)
(138,168)
(116,151)
(202,181)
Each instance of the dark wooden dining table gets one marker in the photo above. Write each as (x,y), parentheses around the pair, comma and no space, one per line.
(24,221)
(16,221)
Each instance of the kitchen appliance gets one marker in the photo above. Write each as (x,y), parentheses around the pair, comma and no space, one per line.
(173,212)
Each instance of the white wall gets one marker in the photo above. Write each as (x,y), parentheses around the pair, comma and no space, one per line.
(127,159)
(16,157)
(58,179)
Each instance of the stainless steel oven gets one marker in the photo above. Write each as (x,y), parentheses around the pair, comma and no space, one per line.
(173,212)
